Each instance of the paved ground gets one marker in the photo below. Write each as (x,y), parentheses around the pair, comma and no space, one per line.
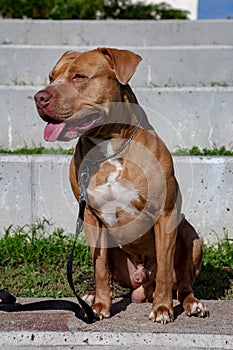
(128,328)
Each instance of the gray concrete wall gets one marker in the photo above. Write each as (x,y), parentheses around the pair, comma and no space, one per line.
(116,33)
(184,82)
(38,186)
(182,60)
(183,117)
(161,66)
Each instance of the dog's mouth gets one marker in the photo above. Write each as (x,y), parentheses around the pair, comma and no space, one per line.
(71,128)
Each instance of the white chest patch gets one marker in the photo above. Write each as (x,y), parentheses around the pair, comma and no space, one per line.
(114,195)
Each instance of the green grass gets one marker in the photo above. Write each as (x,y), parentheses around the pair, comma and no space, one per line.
(216,278)
(37,150)
(33,263)
(219,83)
(194,151)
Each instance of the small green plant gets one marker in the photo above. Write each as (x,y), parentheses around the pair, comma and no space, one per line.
(220,84)
(19,82)
(6,42)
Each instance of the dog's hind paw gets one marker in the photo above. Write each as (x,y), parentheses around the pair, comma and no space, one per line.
(196,308)
(89,298)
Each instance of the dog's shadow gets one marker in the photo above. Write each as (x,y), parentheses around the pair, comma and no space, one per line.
(121,305)
(125,301)
(178,310)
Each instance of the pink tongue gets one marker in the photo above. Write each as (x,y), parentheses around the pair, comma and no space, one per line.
(52,131)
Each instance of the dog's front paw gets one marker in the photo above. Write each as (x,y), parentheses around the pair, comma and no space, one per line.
(194,307)
(101,310)
(162,314)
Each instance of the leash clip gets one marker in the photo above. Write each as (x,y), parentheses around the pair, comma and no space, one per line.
(84,181)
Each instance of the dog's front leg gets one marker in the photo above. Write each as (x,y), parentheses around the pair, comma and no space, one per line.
(165,239)
(103,294)
(98,240)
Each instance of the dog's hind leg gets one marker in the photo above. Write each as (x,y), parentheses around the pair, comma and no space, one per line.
(187,265)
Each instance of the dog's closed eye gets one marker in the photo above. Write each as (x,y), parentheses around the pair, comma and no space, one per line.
(78,76)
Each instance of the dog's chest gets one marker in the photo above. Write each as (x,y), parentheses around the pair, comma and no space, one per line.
(112,194)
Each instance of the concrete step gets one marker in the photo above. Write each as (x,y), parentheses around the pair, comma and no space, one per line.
(116,33)
(128,328)
(161,66)
(38,186)
(183,117)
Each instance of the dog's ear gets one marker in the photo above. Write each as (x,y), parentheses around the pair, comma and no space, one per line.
(124,62)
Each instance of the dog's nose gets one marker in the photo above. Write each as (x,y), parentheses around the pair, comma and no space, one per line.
(42,98)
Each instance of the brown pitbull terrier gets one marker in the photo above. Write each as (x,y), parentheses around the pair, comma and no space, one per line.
(124,172)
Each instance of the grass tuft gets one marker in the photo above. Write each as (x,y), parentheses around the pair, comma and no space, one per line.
(33,263)
(196,151)
(37,150)
(216,278)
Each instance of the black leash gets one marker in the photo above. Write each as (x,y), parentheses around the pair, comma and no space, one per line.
(88,310)
(8,301)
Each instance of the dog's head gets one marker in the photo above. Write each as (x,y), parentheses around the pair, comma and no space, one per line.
(80,85)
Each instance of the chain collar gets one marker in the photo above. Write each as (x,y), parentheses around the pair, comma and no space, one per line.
(85,174)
